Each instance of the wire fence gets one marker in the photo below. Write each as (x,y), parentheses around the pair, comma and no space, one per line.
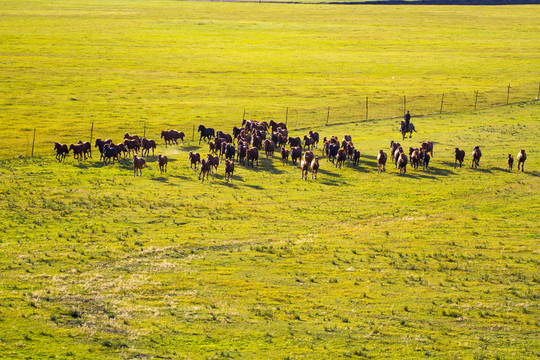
(39,140)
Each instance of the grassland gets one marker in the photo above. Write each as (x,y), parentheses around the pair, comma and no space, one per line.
(97,264)
(121,64)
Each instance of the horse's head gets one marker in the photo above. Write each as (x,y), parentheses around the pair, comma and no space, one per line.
(200,128)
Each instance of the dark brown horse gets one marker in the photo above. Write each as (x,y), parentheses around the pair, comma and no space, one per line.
(284,155)
(61,151)
(194,158)
(162,161)
(274,125)
(460,156)
(476,155)
(229,170)
(205,170)
(381,160)
(402,163)
(510,162)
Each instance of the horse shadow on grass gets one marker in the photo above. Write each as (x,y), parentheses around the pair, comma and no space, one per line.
(329,173)
(162,179)
(94,164)
(265,165)
(500,169)
(153,159)
(189,148)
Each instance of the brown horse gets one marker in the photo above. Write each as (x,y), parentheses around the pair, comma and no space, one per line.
(78,151)
(402,163)
(138,164)
(147,145)
(460,156)
(195,159)
(213,161)
(229,170)
(284,155)
(428,146)
(269,148)
(205,170)
(476,155)
(381,160)
(341,157)
(252,156)
(521,157)
(274,125)
(314,167)
(162,161)
(61,151)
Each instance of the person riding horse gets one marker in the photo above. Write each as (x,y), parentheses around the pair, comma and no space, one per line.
(407,119)
(406,126)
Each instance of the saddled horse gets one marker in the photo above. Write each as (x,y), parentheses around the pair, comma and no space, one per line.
(206,133)
(405,130)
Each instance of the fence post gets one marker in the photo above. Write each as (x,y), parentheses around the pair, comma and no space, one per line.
(244,116)
(33,142)
(508,95)
(475,99)
(327,116)
(144,131)
(193,136)
(367,107)
(442,101)
(538,96)
(286,116)
(404,104)
(91,133)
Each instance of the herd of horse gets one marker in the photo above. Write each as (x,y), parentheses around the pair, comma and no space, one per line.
(245,143)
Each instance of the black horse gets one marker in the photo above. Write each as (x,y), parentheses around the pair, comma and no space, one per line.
(405,130)
(206,133)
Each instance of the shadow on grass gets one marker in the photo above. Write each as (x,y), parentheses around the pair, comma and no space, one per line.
(256,187)
(329,173)
(265,165)
(192,148)
(179,177)
(160,179)
(487,171)
(232,183)
(153,159)
(330,183)
(500,169)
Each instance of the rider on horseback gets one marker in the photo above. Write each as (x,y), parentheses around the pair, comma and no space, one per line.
(407,119)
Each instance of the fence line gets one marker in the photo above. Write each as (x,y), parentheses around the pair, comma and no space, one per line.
(367,108)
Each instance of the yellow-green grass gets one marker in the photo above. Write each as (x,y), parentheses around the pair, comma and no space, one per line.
(97,264)
(121,64)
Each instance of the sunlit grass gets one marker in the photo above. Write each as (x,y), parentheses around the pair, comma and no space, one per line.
(98,264)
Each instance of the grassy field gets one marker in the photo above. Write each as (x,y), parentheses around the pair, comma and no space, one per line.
(97,264)
(169,64)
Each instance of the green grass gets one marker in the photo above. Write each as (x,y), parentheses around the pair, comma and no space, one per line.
(440,262)
(97,264)
(170,64)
